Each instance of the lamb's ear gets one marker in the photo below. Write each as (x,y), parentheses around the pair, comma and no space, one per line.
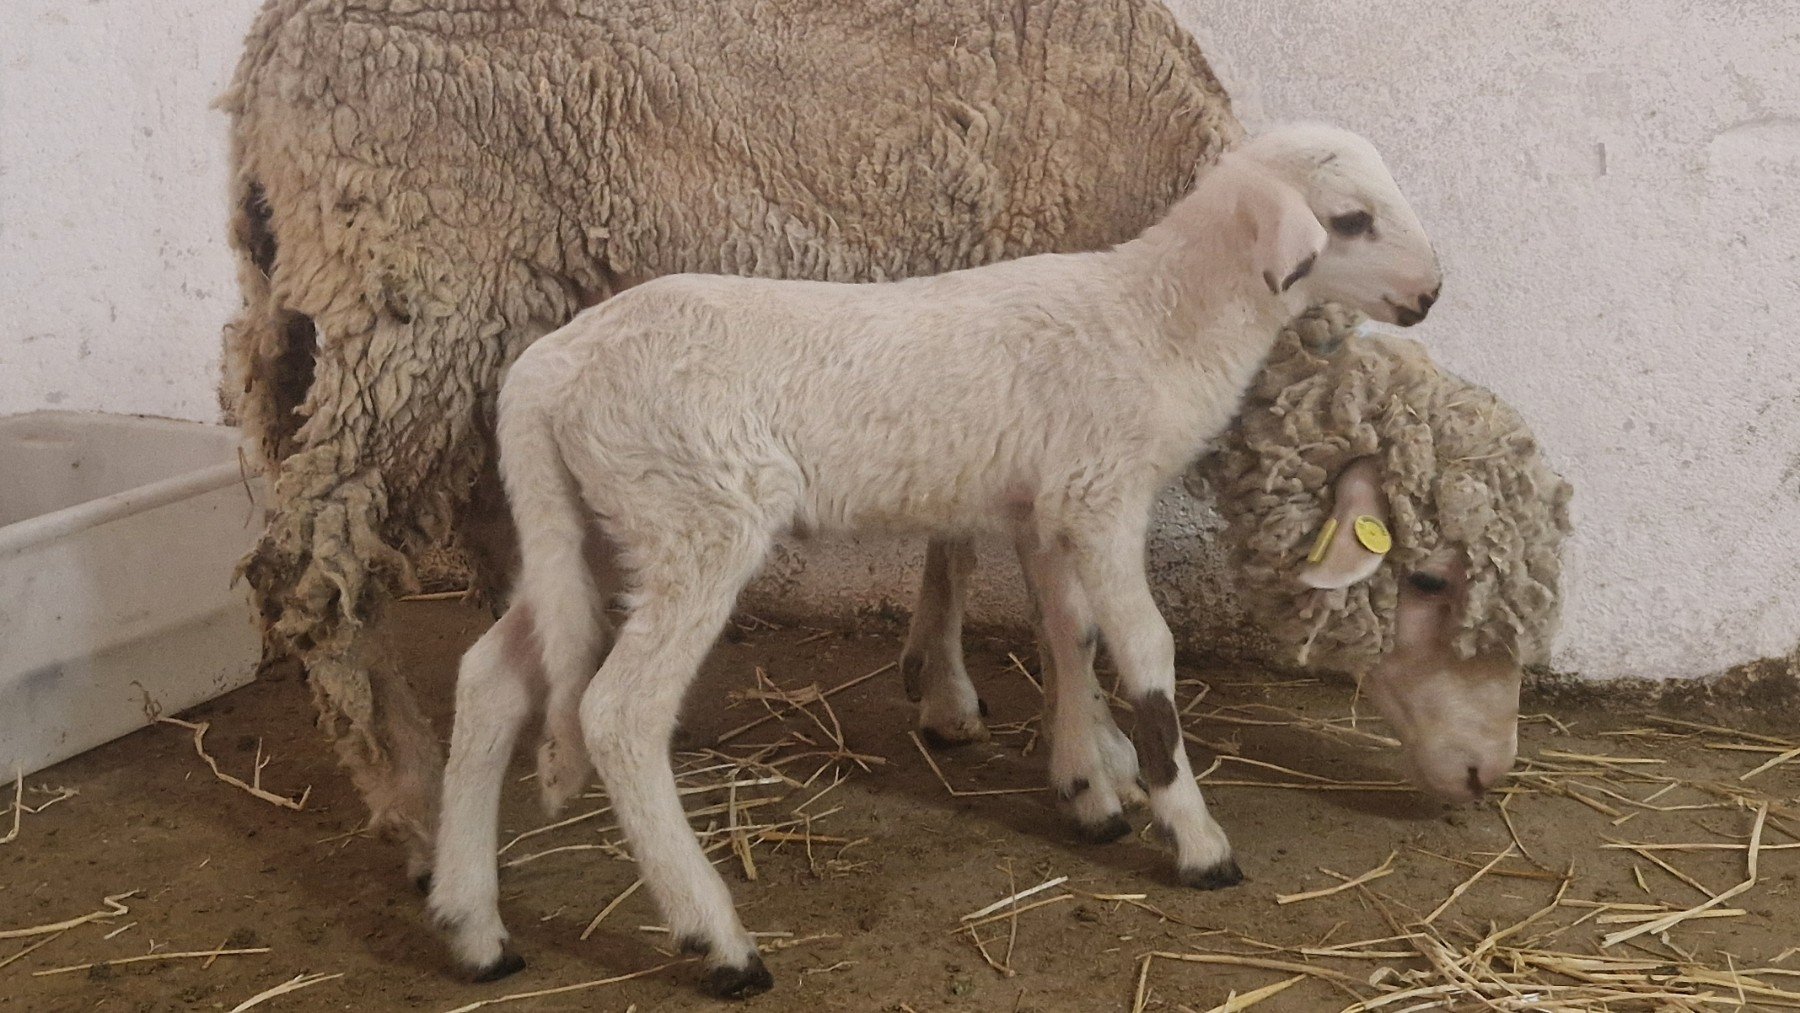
(1355,538)
(1285,235)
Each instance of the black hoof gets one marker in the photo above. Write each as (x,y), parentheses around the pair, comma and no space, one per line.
(509,963)
(936,740)
(1106,831)
(1217,877)
(740,982)
(422,882)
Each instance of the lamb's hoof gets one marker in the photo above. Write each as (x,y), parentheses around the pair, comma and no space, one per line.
(1107,830)
(961,736)
(740,982)
(1216,877)
(508,963)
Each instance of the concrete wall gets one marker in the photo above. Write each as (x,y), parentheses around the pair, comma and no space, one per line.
(1612,188)
(114,274)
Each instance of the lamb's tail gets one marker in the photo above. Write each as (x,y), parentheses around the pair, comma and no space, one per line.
(555,579)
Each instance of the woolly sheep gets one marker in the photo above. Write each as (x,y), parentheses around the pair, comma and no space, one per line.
(422,190)
(1344,423)
(696,418)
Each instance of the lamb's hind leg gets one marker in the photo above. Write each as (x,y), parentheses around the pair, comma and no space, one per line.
(1092,767)
(1110,561)
(495,689)
(628,714)
(931,664)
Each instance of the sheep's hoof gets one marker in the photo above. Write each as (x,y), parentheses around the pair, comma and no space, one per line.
(1107,830)
(740,982)
(508,963)
(1216,877)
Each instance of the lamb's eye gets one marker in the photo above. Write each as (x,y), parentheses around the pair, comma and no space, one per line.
(1352,224)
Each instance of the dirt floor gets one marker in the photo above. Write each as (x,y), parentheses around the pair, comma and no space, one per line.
(865,915)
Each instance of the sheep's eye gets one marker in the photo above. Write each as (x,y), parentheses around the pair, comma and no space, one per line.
(1427,583)
(1352,224)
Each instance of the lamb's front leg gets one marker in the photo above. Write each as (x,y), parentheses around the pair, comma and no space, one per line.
(931,664)
(1093,769)
(1110,562)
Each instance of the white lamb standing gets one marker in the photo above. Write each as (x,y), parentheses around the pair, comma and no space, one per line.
(696,418)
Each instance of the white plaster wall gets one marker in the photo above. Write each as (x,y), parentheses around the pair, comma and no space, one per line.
(114,274)
(1614,189)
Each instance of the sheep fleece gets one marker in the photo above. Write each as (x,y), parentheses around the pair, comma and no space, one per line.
(1459,467)
(422,189)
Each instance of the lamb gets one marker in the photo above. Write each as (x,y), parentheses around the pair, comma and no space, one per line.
(696,418)
(1343,424)
(422,190)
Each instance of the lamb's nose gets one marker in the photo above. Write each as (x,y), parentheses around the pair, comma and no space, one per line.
(1426,302)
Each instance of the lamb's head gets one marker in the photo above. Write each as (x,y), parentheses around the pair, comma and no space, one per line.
(1330,224)
(1456,717)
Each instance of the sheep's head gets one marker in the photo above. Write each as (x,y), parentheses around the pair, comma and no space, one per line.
(1468,520)
(1457,718)
(1330,224)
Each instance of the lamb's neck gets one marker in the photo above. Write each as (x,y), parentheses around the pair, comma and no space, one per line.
(1212,309)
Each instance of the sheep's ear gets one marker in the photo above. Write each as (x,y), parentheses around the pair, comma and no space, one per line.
(1286,236)
(1354,540)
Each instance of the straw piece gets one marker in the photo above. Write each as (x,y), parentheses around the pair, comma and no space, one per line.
(1465,884)
(610,905)
(773,714)
(254,787)
(293,984)
(1775,762)
(957,792)
(1670,921)
(577,987)
(53,937)
(1696,726)
(1251,998)
(153,956)
(18,807)
(1385,868)
(1021,895)
(114,910)
(1265,963)
(1003,915)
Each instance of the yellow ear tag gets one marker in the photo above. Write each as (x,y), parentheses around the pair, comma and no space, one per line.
(1373,535)
(1323,542)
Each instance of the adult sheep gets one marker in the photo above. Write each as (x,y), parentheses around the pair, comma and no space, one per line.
(422,190)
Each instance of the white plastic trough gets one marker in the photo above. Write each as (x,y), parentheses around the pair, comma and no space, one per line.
(117,540)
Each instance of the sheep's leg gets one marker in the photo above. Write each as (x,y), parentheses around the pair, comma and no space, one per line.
(931,664)
(1110,562)
(383,740)
(628,714)
(1093,769)
(494,691)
